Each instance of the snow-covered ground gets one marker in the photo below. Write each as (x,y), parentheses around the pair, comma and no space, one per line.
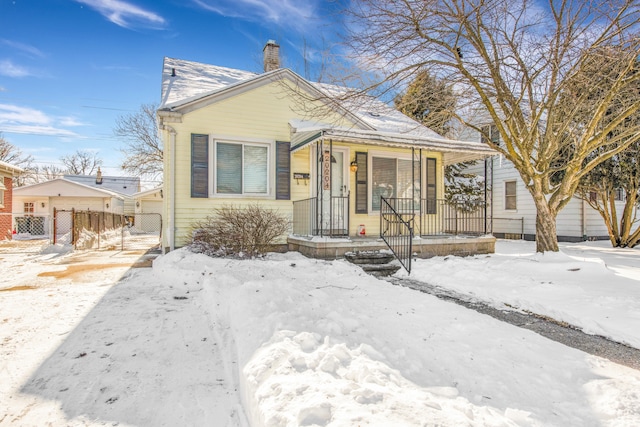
(291,341)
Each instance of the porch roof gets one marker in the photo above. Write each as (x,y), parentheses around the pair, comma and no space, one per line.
(454,151)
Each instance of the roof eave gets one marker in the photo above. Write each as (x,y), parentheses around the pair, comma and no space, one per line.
(454,149)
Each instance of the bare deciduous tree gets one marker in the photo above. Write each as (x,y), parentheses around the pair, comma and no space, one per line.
(11,154)
(143,152)
(81,163)
(512,61)
(48,172)
(616,179)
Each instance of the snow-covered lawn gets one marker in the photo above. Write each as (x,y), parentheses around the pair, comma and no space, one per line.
(289,341)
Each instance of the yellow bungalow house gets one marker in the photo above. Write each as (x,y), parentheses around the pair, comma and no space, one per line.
(345,175)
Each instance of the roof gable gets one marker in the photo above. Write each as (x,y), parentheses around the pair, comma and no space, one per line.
(61,187)
(185,81)
(191,91)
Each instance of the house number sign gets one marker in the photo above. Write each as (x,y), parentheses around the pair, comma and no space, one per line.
(326,171)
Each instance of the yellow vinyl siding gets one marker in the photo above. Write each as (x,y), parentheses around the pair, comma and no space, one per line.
(261,114)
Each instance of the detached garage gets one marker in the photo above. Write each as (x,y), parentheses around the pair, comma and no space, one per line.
(33,205)
(148,217)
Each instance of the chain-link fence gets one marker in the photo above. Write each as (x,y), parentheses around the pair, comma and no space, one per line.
(142,231)
(24,233)
(82,229)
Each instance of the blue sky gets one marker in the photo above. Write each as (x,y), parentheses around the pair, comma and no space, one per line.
(69,68)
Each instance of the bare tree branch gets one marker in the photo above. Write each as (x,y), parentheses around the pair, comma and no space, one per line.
(81,163)
(514,62)
(143,152)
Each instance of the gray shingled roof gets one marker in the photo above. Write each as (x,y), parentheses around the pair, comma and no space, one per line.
(120,184)
(184,82)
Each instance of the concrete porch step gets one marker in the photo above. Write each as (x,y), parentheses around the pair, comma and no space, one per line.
(376,263)
(380,270)
(369,257)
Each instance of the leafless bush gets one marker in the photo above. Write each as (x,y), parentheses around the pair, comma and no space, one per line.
(238,231)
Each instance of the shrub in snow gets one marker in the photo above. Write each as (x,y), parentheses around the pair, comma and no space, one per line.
(238,231)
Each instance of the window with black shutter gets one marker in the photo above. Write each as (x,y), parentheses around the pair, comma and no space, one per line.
(361,183)
(431,186)
(283,167)
(199,165)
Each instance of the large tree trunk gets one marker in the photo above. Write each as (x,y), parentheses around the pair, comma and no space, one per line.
(628,237)
(546,234)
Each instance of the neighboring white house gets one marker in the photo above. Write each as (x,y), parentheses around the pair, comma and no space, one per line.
(513,209)
(124,186)
(148,216)
(33,205)
(148,201)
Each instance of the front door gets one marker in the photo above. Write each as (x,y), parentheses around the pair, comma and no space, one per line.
(333,193)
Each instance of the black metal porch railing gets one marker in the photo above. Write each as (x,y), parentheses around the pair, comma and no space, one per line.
(312,217)
(446,218)
(396,229)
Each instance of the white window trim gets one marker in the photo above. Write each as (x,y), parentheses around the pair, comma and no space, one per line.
(1,198)
(256,142)
(489,128)
(515,195)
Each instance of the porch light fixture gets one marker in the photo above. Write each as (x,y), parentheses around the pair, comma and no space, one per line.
(42,204)
(354,166)
(137,204)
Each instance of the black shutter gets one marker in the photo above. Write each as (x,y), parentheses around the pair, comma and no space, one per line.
(431,186)
(283,167)
(361,183)
(199,165)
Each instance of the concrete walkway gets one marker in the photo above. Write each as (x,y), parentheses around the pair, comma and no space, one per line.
(547,327)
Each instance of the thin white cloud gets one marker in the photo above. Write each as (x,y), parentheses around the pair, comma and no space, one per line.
(70,122)
(124,14)
(9,69)
(15,114)
(293,14)
(24,120)
(25,48)
(39,130)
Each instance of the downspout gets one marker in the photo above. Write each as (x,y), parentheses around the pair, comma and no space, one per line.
(583,219)
(172,188)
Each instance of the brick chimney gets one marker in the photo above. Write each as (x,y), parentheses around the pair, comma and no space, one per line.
(99,176)
(271,53)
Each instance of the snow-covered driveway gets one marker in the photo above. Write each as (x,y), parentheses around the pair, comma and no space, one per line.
(85,339)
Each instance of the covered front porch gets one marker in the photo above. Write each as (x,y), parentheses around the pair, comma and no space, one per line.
(371,190)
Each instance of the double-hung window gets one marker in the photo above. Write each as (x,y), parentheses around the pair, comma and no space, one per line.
(241,168)
(490,133)
(29,208)
(510,201)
